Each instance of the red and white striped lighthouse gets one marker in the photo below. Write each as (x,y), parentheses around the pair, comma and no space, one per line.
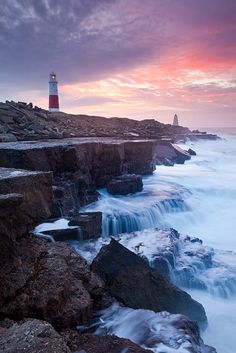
(53,93)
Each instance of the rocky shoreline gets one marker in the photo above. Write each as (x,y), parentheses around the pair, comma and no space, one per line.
(47,288)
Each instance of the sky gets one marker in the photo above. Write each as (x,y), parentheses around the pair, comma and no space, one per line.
(127,58)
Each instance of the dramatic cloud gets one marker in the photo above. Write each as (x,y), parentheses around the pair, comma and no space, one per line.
(115,57)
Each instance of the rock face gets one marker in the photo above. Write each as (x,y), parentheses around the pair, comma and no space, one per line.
(90,224)
(125,184)
(48,281)
(130,279)
(79,166)
(169,154)
(100,344)
(31,336)
(25,199)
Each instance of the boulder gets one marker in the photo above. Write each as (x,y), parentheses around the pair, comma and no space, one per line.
(31,336)
(48,281)
(125,184)
(90,224)
(132,281)
(90,343)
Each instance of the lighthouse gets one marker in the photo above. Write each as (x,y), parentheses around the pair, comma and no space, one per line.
(53,93)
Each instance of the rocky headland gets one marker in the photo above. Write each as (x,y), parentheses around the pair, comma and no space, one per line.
(51,164)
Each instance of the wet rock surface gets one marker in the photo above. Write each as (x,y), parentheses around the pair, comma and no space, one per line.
(125,184)
(160,332)
(130,280)
(185,260)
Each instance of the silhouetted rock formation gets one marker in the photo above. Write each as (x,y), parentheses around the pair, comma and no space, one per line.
(130,279)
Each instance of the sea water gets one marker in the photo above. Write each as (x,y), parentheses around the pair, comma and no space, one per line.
(202,203)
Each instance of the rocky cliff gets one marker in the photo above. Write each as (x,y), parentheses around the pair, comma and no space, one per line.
(20,121)
(79,166)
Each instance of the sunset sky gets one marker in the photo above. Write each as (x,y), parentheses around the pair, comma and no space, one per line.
(128,58)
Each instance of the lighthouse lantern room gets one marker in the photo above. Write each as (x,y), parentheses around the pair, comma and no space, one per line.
(53,93)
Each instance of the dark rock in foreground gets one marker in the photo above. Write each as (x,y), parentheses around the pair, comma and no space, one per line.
(125,184)
(36,336)
(100,344)
(130,279)
(31,336)
(90,224)
(48,281)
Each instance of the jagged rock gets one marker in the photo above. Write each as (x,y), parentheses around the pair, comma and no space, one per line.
(100,344)
(130,279)
(167,151)
(90,224)
(48,281)
(192,152)
(125,184)
(31,336)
